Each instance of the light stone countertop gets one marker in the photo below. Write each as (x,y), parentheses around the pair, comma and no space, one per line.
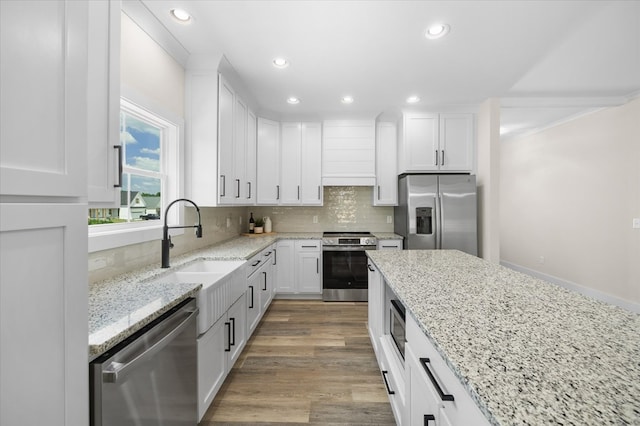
(122,305)
(529,352)
(387,236)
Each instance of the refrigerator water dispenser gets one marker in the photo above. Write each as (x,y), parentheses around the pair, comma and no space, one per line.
(424,223)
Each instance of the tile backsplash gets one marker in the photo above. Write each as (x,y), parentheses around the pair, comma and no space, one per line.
(346,208)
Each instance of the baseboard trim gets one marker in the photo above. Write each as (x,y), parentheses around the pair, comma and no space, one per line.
(595,294)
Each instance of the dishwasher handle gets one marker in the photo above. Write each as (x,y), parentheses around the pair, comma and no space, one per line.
(117,369)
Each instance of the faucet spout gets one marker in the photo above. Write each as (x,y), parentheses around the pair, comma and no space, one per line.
(166,239)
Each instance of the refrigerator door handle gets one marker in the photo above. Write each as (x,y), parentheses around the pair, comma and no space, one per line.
(438,221)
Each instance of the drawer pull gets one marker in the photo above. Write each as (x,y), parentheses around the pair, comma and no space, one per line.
(251,304)
(371,268)
(228,325)
(256,263)
(429,418)
(386,383)
(443,396)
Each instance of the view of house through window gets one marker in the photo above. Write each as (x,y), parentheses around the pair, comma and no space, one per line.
(144,179)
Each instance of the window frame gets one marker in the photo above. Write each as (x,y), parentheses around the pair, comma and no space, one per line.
(109,236)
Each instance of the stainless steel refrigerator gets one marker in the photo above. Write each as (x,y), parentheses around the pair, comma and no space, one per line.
(437,212)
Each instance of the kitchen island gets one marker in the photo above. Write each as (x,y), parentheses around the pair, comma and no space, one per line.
(526,351)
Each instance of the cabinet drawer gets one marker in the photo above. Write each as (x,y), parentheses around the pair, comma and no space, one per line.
(308,245)
(389,244)
(457,407)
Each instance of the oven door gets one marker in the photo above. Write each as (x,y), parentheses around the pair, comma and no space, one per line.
(344,274)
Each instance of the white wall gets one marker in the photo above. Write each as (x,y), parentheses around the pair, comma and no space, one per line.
(568,196)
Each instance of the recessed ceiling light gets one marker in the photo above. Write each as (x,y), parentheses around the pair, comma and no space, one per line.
(181,15)
(413,99)
(437,31)
(347,99)
(293,100)
(280,63)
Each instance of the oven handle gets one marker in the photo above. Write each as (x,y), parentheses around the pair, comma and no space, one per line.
(347,248)
(117,369)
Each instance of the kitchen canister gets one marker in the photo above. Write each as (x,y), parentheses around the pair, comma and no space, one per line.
(267,224)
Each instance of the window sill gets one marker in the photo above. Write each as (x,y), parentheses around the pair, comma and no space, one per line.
(105,237)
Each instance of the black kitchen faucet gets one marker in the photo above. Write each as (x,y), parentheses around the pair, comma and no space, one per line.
(166,239)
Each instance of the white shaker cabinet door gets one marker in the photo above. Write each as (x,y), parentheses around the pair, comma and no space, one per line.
(268,162)
(456,142)
(385,192)
(311,164)
(420,143)
(43,81)
(43,314)
(250,175)
(103,107)
(291,139)
(225,142)
(239,151)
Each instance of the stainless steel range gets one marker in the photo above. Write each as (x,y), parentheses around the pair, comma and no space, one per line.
(344,265)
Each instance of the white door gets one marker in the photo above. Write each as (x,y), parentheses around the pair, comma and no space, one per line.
(308,275)
(254,307)
(43,314)
(311,164)
(237,319)
(456,142)
(239,151)
(285,270)
(268,162)
(43,52)
(225,141)
(291,137)
(103,104)
(250,165)
(386,190)
(420,144)
(212,363)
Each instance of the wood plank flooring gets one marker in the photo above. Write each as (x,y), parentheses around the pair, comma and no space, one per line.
(308,362)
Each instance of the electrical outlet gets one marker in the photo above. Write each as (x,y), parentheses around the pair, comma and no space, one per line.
(636,223)
(541,259)
(389,219)
(315,219)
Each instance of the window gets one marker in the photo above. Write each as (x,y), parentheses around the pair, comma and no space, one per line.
(151,164)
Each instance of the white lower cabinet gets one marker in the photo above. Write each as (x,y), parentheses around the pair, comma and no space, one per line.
(260,286)
(395,244)
(218,350)
(376,307)
(299,267)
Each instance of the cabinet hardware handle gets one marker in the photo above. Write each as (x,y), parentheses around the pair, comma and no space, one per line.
(277,192)
(371,268)
(275,256)
(443,396)
(317,265)
(386,383)
(378,192)
(319,192)
(442,158)
(223,182)
(249,196)
(264,274)
(298,192)
(232,341)
(237,188)
(119,148)
(267,254)
(256,263)
(228,325)
(251,305)
(429,418)
(436,157)
(309,246)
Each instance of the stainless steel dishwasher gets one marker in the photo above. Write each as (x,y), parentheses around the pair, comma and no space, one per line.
(150,378)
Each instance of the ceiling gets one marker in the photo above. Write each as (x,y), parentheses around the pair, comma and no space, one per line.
(547,60)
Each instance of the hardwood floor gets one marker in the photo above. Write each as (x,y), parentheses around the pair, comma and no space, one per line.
(308,362)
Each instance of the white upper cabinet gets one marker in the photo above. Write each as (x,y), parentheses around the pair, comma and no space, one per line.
(251,155)
(239,151)
(301,148)
(436,142)
(290,148)
(43,52)
(349,152)
(268,162)
(311,164)
(385,193)
(103,104)
(226,104)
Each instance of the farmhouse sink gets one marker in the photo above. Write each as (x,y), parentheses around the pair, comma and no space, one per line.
(223,281)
